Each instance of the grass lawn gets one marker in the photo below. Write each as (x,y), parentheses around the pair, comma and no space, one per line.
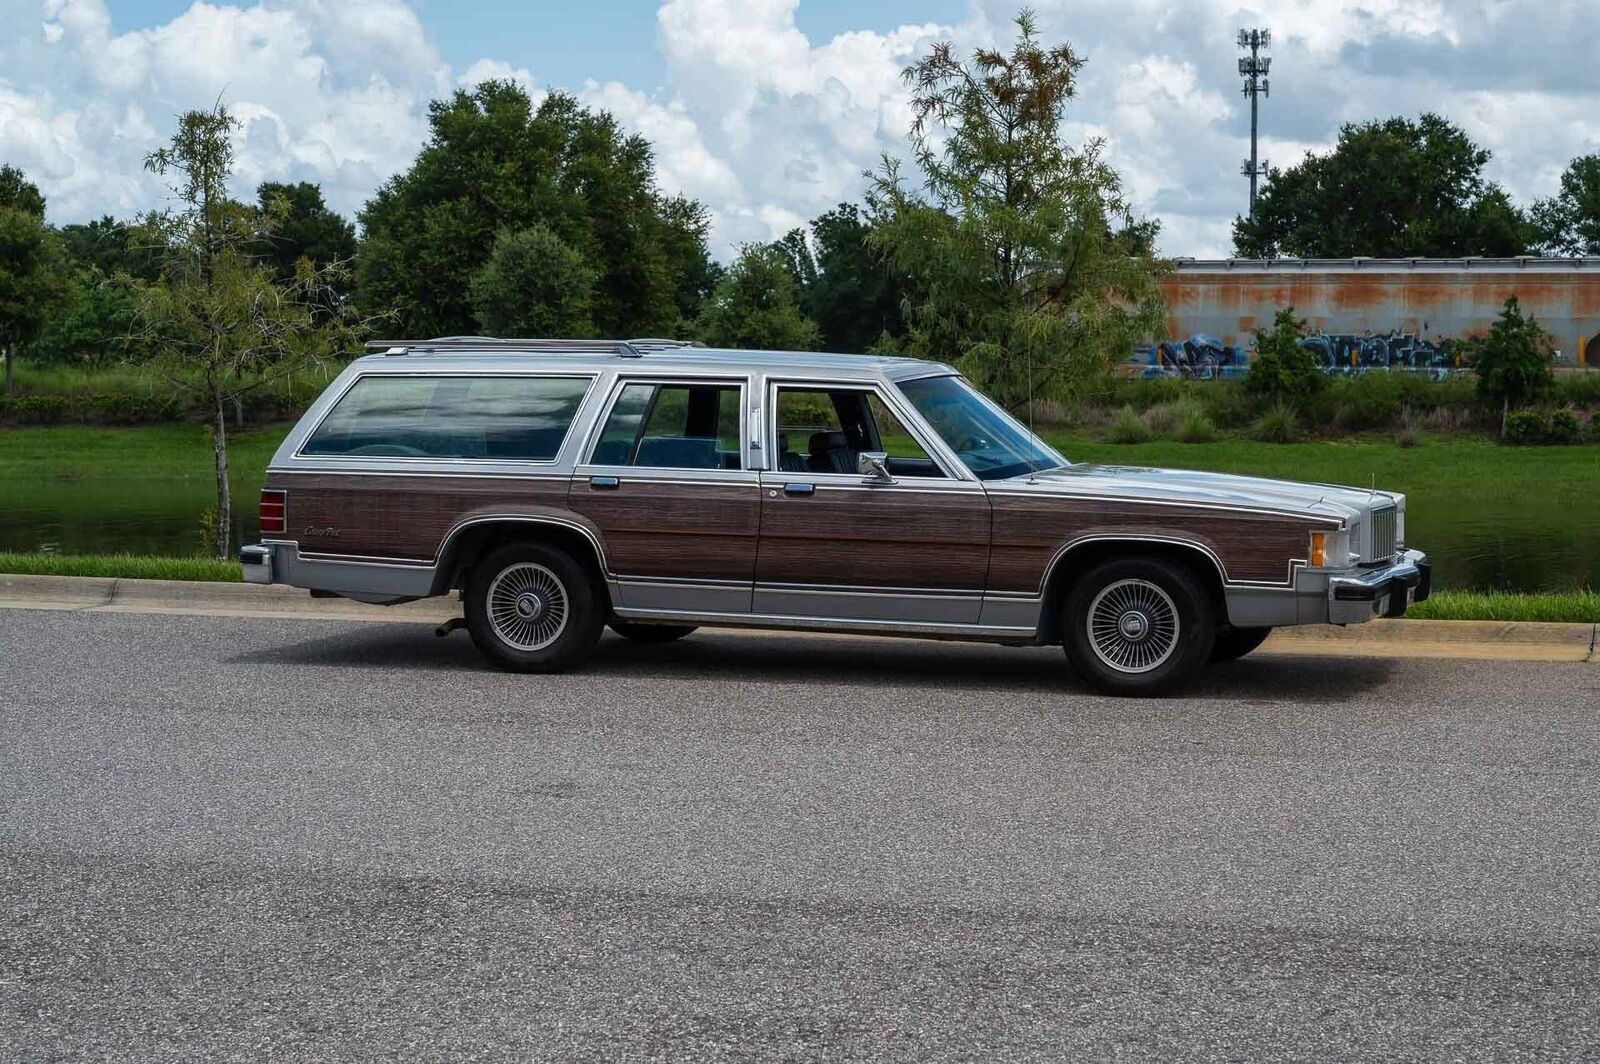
(121,566)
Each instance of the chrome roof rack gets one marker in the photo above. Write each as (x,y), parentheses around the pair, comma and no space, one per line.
(625,348)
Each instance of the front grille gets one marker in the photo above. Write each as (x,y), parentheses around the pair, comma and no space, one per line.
(1381,544)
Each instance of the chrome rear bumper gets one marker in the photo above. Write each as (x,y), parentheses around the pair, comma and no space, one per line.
(257,564)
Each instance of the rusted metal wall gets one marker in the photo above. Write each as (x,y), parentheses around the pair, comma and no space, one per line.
(1428,299)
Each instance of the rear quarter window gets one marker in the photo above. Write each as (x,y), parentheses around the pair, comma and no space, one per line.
(509,418)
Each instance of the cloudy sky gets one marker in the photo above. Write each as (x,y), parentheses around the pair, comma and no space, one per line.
(769,110)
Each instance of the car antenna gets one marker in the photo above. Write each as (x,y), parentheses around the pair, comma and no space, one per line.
(1033,439)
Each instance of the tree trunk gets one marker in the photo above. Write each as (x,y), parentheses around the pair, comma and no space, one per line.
(1505,415)
(219,447)
(8,371)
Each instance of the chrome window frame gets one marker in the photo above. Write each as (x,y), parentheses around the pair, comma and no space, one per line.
(416,463)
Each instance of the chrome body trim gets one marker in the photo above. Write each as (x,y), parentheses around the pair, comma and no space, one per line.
(839,624)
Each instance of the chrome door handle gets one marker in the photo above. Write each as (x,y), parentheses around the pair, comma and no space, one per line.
(799,489)
(603,483)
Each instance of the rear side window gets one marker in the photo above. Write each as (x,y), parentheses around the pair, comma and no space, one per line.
(510,418)
(672,426)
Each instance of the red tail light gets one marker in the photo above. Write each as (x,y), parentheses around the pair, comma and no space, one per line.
(274,512)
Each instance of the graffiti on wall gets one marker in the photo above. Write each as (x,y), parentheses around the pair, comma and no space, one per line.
(1205,357)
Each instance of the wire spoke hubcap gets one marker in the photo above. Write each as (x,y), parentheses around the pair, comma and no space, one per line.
(1133,626)
(528,606)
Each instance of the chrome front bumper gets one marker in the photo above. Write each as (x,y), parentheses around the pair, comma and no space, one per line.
(1383,592)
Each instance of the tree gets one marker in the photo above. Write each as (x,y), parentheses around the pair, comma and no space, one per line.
(222,323)
(1569,222)
(845,286)
(533,285)
(1512,361)
(30,266)
(1281,371)
(494,162)
(756,305)
(300,226)
(1390,189)
(1022,271)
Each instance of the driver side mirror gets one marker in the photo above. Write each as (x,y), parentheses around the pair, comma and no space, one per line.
(874,465)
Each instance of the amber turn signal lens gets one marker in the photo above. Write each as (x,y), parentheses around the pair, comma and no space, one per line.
(1318,551)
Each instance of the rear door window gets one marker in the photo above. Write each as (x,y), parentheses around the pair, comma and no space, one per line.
(672,426)
(522,419)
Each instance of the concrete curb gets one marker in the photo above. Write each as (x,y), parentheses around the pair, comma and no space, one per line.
(1483,640)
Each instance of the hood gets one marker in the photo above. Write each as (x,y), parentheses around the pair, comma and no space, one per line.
(1215,489)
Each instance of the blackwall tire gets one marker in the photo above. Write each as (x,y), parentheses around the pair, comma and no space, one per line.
(1138,626)
(533,608)
(651,633)
(1234,643)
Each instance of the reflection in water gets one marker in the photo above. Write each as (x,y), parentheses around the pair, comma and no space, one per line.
(1477,546)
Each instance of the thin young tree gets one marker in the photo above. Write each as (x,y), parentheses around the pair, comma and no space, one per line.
(219,321)
(1029,268)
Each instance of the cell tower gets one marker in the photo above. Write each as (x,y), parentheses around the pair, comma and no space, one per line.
(1253,68)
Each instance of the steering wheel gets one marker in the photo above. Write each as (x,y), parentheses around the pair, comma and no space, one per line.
(974,444)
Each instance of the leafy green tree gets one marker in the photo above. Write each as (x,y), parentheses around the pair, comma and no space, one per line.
(1512,360)
(300,226)
(223,326)
(494,162)
(1017,250)
(1282,372)
(1569,222)
(845,286)
(534,284)
(756,305)
(1390,189)
(18,193)
(30,266)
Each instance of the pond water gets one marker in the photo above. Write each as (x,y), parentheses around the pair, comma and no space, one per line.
(1524,540)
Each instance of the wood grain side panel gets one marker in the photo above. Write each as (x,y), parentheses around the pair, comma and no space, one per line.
(878,538)
(1030,532)
(691,531)
(402,516)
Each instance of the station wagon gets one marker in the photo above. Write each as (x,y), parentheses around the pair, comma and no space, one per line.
(563,486)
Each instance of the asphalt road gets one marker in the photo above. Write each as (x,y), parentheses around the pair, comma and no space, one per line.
(224,838)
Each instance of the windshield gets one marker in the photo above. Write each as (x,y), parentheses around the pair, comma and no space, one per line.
(991,442)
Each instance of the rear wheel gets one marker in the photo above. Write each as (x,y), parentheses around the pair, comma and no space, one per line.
(1234,643)
(650,633)
(532,608)
(1138,626)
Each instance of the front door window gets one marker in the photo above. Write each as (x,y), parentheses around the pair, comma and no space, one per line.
(824,430)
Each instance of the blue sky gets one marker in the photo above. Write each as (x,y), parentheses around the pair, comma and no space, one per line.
(769,111)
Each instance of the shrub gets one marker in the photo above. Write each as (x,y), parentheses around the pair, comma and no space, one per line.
(1512,361)
(1228,405)
(1127,428)
(1164,419)
(1578,389)
(1565,427)
(1196,428)
(1282,371)
(124,408)
(1526,426)
(39,409)
(1278,425)
(1410,429)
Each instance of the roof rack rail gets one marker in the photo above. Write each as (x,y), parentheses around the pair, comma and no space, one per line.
(626,348)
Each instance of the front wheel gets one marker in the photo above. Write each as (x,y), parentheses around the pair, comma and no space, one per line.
(1234,643)
(1138,626)
(533,608)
